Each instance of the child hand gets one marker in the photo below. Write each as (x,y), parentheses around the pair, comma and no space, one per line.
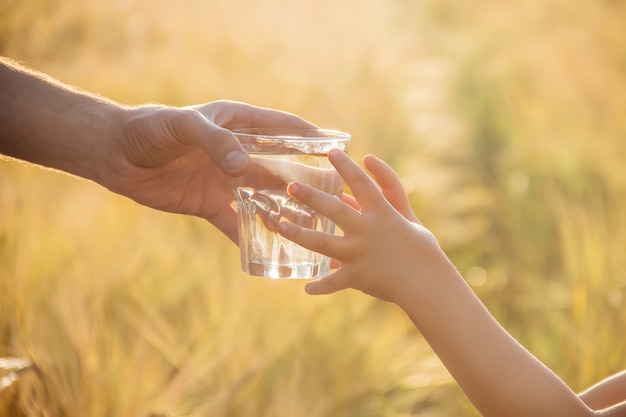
(383,246)
(387,253)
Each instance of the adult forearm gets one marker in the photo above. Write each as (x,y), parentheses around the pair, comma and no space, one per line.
(47,123)
(497,374)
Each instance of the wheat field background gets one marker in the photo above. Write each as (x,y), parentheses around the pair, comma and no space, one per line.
(506,120)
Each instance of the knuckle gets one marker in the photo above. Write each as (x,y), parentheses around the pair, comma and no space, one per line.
(305,193)
(181,122)
(180,115)
(343,210)
(361,179)
(322,245)
(291,231)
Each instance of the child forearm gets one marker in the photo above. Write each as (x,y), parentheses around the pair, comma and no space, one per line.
(606,393)
(497,374)
(387,253)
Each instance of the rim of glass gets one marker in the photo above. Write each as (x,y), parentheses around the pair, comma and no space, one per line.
(292,134)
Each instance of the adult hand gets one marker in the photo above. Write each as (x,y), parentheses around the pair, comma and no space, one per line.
(173,159)
(181,160)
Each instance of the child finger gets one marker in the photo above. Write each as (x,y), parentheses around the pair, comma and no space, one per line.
(362,185)
(342,214)
(332,283)
(329,245)
(390,184)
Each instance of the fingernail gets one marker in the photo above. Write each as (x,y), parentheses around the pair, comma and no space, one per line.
(282,227)
(308,288)
(334,151)
(235,159)
(294,187)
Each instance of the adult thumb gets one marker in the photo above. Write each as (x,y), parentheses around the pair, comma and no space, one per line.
(221,144)
(226,151)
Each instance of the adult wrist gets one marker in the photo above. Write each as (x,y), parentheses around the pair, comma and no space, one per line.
(105,144)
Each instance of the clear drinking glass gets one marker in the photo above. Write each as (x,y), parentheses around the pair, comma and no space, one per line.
(279,157)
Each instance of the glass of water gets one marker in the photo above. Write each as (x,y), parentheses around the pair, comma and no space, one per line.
(279,157)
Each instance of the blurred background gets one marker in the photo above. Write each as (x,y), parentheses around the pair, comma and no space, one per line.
(505,119)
